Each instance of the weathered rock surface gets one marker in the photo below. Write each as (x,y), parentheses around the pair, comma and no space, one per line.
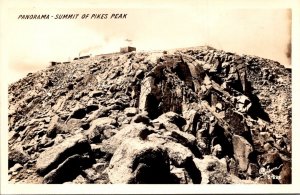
(209,166)
(52,157)
(130,131)
(194,115)
(67,170)
(17,155)
(139,162)
(242,149)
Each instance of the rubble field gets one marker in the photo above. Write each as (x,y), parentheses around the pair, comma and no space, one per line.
(186,116)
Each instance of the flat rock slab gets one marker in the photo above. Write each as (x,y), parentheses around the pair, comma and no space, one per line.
(51,158)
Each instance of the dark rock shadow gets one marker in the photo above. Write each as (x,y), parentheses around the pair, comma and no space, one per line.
(256,110)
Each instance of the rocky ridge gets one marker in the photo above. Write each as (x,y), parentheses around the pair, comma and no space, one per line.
(194,115)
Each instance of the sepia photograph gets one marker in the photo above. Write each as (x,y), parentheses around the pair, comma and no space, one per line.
(170,92)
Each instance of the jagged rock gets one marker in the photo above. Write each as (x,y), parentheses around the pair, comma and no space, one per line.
(196,74)
(52,157)
(147,100)
(136,161)
(241,148)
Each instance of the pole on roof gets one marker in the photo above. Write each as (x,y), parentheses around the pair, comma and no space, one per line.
(128,42)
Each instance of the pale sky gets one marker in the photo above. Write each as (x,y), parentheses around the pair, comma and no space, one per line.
(31,44)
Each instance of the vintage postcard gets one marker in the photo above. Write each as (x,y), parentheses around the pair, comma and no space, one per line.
(99,96)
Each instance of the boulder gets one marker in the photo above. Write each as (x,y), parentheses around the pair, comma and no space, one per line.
(79,180)
(97,173)
(141,118)
(17,155)
(73,124)
(183,138)
(96,93)
(67,170)
(286,173)
(14,168)
(209,166)
(216,150)
(52,128)
(103,121)
(130,131)
(241,149)
(137,161)
(101,112)
(109,132)
(192,117)
(57,126)
(177,153)
(271,158)
(130,111)
(171,120)
(95,132)
(253,170)
(180,176)
(52,157)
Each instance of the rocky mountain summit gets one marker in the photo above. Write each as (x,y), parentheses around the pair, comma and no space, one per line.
(193,115)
